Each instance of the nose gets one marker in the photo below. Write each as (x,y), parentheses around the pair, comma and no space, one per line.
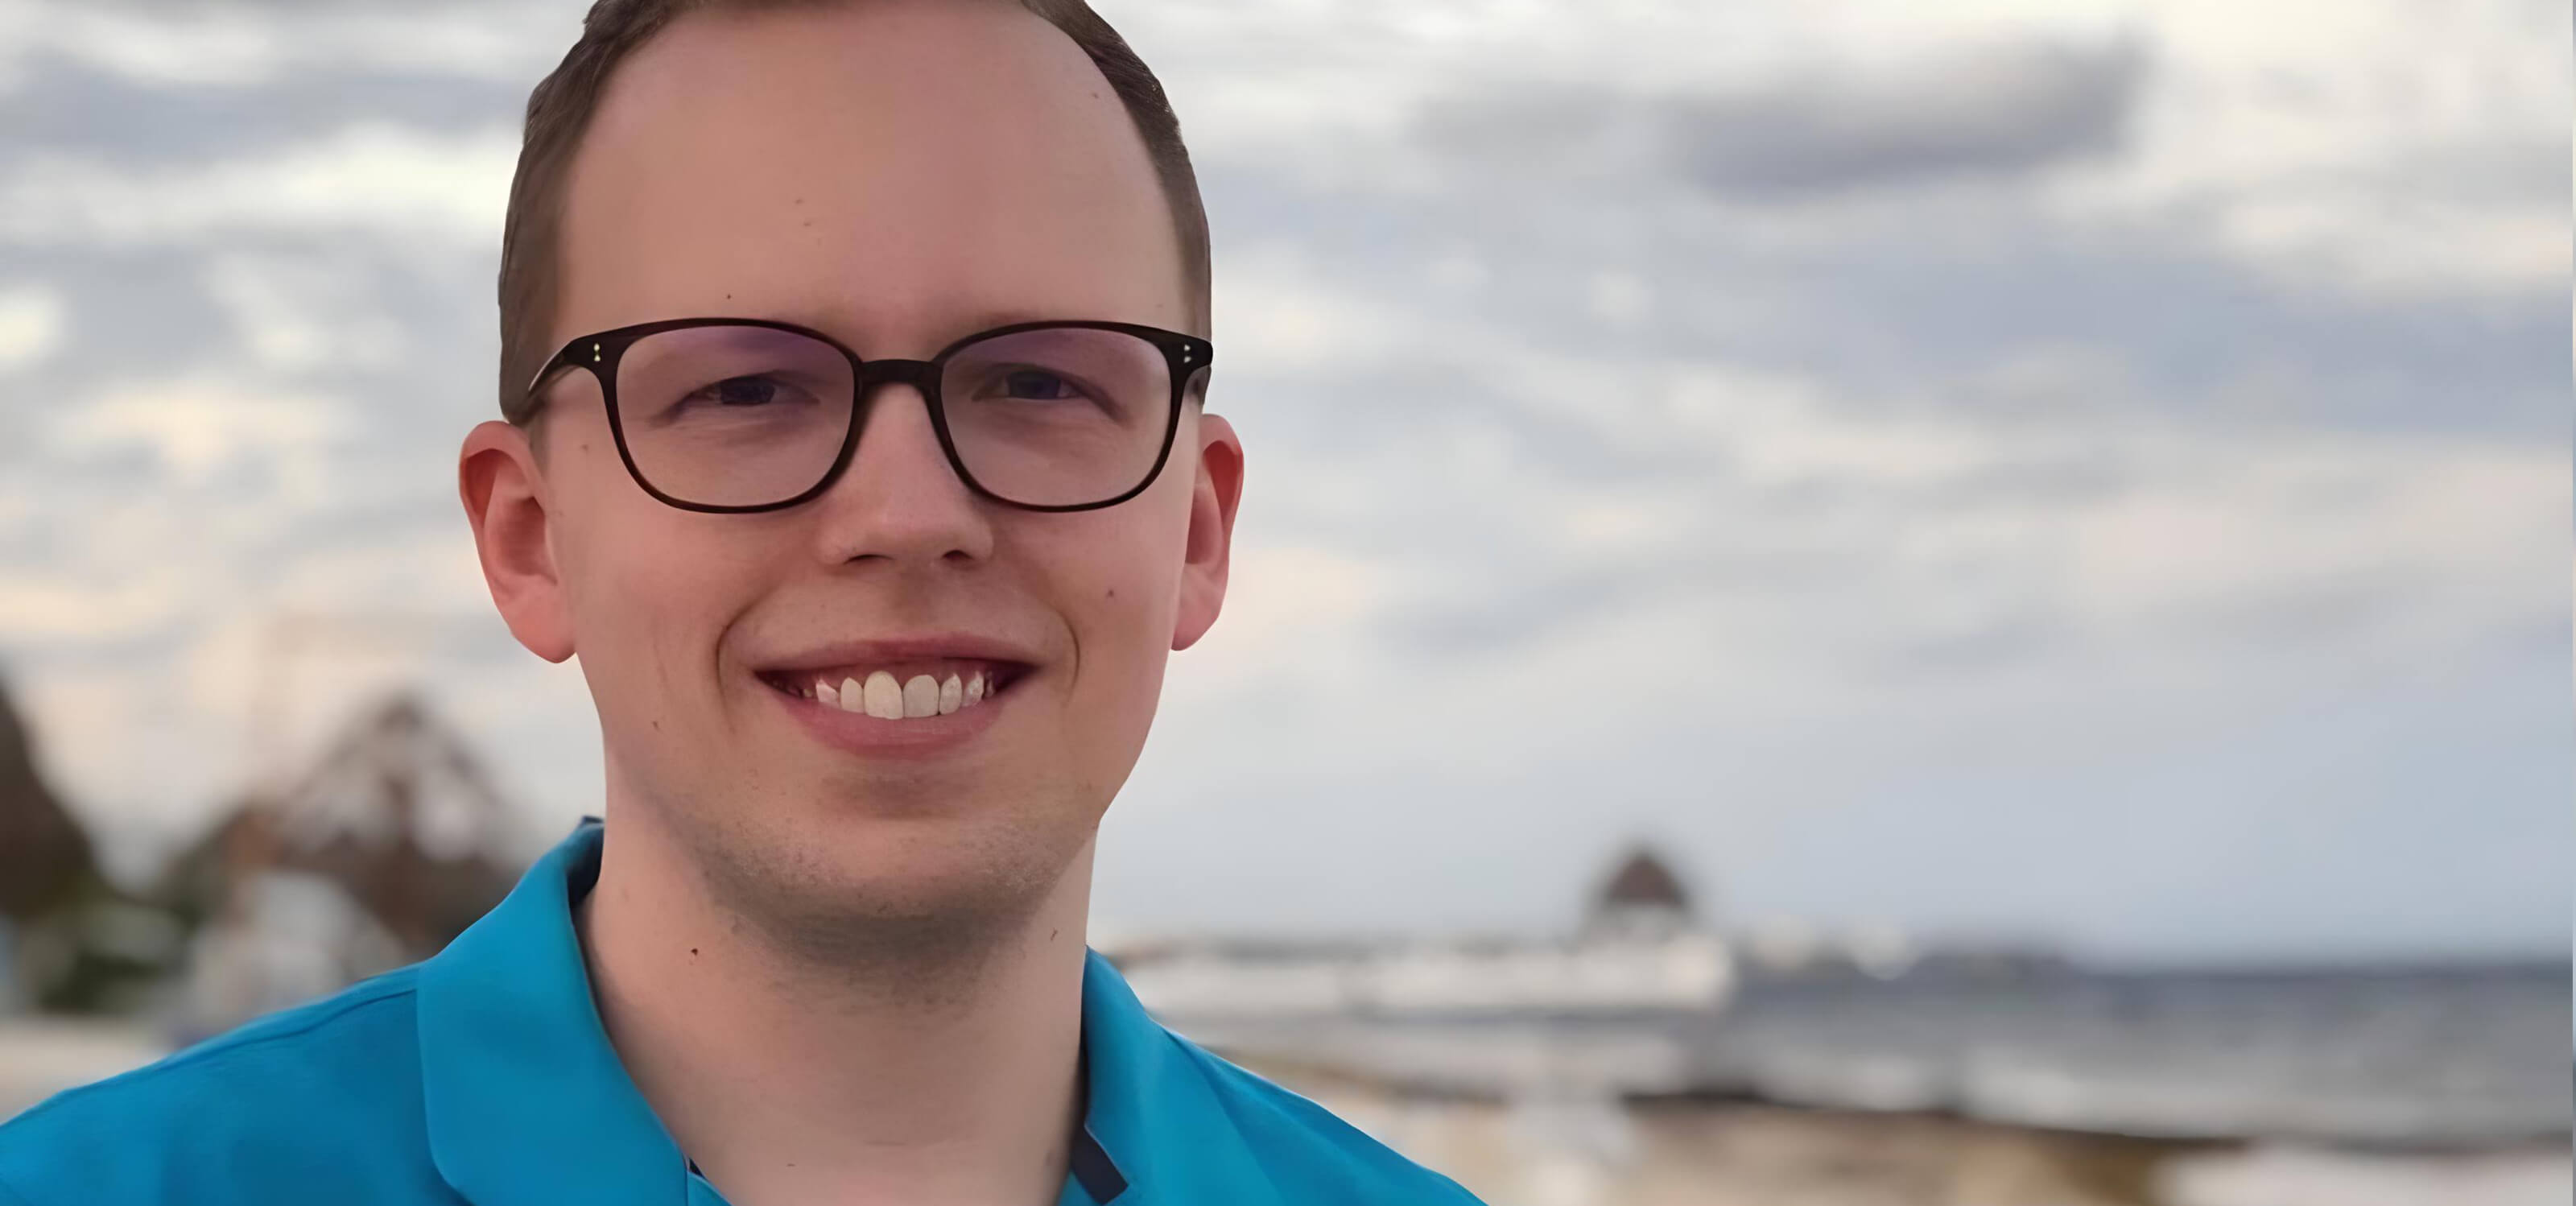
(899,500)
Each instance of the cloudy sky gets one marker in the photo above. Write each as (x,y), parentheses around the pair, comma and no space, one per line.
(2070,469)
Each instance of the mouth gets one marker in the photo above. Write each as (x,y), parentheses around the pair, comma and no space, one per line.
(901,689)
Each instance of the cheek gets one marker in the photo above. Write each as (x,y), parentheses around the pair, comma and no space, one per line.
(1119,589)
(651,589)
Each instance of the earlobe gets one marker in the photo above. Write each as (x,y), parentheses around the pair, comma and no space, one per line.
(506,505)
(1213,499)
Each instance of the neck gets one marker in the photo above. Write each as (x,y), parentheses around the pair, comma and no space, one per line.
(876,1073)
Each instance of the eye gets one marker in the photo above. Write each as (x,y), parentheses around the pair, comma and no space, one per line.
(1032,390)
(1038,385)
(738,391)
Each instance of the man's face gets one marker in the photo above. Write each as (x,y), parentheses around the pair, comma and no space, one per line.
(897,175)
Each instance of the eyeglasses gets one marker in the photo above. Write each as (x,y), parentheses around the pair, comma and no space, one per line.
(745,414)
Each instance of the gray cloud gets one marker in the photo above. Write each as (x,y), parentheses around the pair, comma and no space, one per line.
(89,111)
(1959,309)
(2015,638)
(1999,110)
(2004,109)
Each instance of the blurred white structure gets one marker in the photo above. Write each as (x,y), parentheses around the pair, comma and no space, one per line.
(1640,947)
(289,937)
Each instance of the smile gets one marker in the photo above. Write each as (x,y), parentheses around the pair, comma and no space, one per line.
(908,690)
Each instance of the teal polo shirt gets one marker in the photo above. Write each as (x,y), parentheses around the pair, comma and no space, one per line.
(482,1076)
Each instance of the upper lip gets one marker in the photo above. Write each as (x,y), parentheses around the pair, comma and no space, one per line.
(959,645)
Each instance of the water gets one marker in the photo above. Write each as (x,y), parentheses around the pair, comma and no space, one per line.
(2440,1057)
(2462,1055)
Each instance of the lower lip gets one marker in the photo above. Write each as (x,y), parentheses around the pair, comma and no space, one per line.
(917,737)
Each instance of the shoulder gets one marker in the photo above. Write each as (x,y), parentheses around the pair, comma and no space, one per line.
(320,1099)
(1311,1152)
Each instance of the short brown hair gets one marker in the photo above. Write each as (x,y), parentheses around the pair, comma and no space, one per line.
(560,108)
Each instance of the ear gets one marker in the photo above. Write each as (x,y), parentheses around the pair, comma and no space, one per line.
(505,501)
(1211,540)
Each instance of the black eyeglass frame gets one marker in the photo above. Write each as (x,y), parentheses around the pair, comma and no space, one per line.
(600,352)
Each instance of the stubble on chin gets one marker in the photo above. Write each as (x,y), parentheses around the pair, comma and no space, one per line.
(897,934)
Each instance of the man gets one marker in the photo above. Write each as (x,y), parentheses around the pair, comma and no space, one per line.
(854,360)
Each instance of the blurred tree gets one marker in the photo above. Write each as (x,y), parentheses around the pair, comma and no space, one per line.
(81,944)
(44,856)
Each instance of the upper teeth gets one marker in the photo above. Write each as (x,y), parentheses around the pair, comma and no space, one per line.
(881,696)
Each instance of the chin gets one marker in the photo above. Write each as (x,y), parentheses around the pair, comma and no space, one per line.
(858,872)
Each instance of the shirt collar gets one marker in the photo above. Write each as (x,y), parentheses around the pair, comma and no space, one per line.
(527,1104)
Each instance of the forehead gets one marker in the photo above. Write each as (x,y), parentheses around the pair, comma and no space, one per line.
(899,172)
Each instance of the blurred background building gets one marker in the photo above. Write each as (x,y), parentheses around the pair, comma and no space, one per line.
(388,847)
(2049,518)
(376,857)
